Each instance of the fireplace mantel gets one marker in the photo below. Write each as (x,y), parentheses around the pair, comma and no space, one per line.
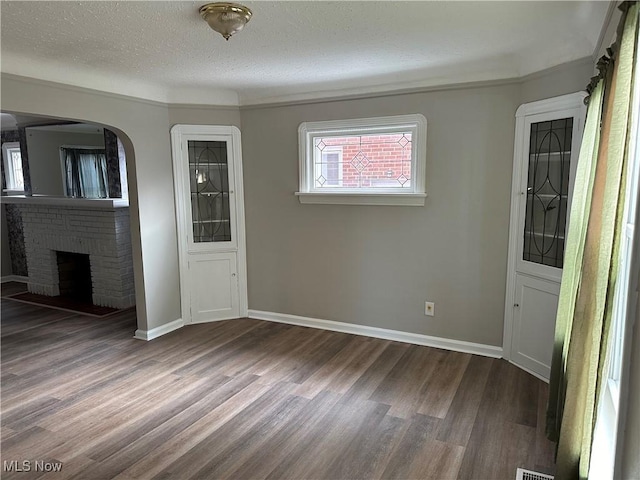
(53,200)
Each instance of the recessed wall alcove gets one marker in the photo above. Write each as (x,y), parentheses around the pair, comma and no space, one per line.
(71,246)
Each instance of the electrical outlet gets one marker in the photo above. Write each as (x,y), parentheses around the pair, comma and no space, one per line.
(429,308)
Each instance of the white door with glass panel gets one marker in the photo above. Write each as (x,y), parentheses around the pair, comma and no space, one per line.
(548,135)
(210,217)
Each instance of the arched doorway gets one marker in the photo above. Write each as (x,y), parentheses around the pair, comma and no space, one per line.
(74,210)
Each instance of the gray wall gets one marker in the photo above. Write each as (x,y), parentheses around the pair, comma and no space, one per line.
(203,115)
(366,265)
(44,157)
(377,266)
(143,127)
(568,78)
(374,265)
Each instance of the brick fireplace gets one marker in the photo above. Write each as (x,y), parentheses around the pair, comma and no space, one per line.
(56,229)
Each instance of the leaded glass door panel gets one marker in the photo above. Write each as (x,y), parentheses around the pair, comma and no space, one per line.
(209,191)
(547,193)
(209,180)
(547,167)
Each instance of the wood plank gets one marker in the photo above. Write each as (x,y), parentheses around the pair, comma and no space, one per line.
(441,387)
(338,430)
(401,387)
(545,448)
(457,425)
(158,459)
(419,430)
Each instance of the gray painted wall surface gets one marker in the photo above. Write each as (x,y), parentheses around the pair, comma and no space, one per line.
(373,265)
(567,78)
(44,157)
(377,266)
(203,115)
(143,128)
(367,265)
(149,168)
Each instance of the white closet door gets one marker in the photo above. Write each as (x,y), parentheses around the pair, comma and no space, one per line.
(209,206)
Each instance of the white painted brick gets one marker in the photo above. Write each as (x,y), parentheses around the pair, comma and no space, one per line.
(104,235)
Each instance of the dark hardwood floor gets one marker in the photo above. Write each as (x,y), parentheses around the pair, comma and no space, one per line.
(249,399)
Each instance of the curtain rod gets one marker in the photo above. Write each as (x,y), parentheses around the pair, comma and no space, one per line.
(609,57)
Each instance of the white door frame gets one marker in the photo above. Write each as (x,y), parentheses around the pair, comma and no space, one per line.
(177,134)
(557,104)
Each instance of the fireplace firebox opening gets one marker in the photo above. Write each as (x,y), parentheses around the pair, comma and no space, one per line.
(74,272)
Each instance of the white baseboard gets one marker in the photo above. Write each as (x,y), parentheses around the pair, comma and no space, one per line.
(386,334)
(159,331)
(14,278)
(530,371)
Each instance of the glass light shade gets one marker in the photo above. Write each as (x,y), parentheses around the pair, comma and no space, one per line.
(225,18)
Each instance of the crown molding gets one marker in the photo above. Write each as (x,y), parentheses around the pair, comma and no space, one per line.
(311,98)
(113,95)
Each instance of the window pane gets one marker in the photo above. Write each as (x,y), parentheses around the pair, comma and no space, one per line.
(16,168)
(209,184)
(85,172)
(363,161)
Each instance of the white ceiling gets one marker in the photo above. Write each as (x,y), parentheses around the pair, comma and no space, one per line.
(164,51)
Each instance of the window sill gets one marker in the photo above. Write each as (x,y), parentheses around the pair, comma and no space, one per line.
(10,191)
(402,199)
(55,200)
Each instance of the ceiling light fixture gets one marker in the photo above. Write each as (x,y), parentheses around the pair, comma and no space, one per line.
(225,18)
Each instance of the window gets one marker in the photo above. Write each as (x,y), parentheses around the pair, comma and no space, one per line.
(13,166)
(369,161)
(609,430)
(84,172)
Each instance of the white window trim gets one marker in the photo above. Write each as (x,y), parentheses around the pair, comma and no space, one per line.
(415,196)
(8,169)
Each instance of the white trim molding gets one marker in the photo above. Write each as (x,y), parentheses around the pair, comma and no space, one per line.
(405,199)
(14,278)
(554,104)
(383,333)
(159,331)
(311,132)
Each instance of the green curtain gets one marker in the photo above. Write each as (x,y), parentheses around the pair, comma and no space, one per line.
(591,259)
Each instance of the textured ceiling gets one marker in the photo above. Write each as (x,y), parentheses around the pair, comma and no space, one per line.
(291,50)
